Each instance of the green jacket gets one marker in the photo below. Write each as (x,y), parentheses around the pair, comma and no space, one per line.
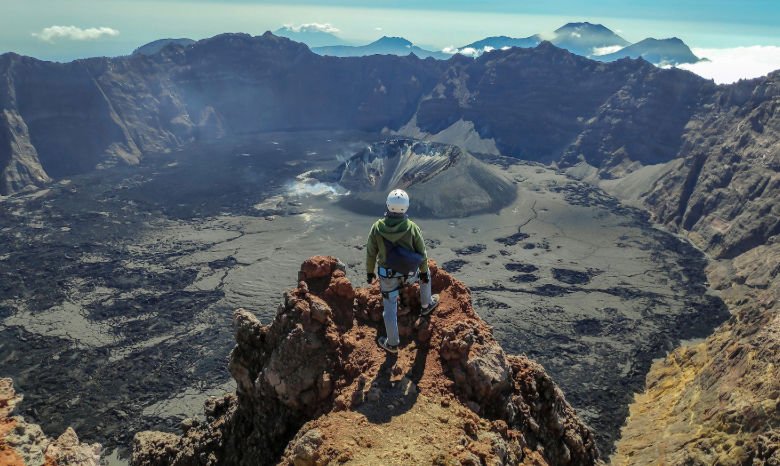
(400,231)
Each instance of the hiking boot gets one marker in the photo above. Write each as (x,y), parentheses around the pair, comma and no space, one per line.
(382,341)
(434,302)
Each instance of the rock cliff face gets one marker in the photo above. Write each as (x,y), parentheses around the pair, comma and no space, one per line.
(24,444)
(717,402)
(448,181)
(314,388)
(726,192)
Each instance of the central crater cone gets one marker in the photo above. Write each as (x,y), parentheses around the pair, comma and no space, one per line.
(443,180)
(314,388)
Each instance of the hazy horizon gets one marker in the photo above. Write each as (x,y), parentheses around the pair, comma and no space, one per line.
(58,31)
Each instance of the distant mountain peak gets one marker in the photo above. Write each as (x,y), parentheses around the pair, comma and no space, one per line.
(385,45)
(586,38)
(390,40)
(584,25)
(671,51)
(238,42)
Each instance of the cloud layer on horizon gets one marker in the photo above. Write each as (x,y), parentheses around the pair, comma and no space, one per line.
(52,33)
(313,27)
(729,65)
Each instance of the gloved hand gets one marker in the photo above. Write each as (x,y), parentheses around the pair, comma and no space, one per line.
(370,277)
(424,277)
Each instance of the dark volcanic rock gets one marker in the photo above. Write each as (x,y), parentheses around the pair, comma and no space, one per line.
(513,239)
(572,277)
(518,267)
(524,278)
(454,265)
(469,250)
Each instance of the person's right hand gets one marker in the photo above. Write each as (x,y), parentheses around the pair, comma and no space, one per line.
(370,277)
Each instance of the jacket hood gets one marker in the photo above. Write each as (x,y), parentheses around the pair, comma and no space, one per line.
(394,228)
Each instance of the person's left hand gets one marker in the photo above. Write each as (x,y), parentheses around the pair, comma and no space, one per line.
(424,277)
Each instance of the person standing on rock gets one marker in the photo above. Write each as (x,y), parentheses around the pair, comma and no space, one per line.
(396,249)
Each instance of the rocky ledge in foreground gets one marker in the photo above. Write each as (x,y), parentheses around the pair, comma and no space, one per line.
(25,444)
(313,388)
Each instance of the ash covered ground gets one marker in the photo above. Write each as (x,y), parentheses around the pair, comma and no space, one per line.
(117,288)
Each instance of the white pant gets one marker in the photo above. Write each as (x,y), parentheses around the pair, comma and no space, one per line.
(391,287)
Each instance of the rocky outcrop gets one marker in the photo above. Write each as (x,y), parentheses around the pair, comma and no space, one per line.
(25,444)
(448,181)
(19,160)
(725,194)
(313,387)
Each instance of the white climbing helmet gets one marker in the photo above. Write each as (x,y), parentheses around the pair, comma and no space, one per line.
(397,201)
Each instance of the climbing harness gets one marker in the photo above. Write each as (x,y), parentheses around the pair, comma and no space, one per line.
(405,280)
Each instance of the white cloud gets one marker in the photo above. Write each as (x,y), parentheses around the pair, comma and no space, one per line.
(598,51)
(50,34)
(469,52)
(576,34)
(731,65)
(312,27)
(377,28)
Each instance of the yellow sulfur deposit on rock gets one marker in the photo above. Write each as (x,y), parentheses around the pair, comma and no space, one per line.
(716,402)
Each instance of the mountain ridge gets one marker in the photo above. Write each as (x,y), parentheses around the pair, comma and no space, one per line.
(174,98)
(594,41)
(671,51)
(156,46)
(385,45)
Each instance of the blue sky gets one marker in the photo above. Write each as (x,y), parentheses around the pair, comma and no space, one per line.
(433,23)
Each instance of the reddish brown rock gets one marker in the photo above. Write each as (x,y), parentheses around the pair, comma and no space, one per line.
(314,387)
(22,443)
